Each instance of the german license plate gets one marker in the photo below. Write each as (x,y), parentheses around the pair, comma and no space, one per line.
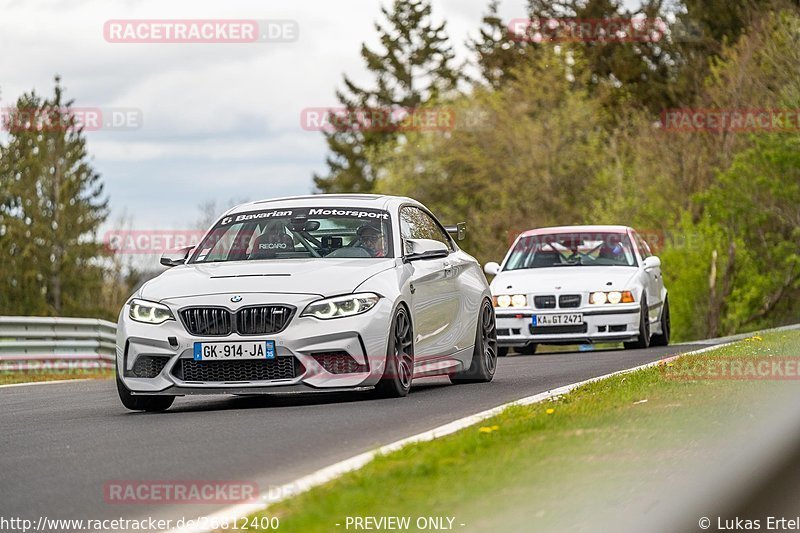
(239,351)
(558,320)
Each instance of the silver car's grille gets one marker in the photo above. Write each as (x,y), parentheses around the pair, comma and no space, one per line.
(339,362)
(261,320)
(148,366)
(250,370)
(207,321)
(218,321)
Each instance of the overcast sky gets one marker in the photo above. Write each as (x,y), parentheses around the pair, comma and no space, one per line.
(220,121)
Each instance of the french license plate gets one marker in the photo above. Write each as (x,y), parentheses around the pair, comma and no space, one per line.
(558,320)
(227,351)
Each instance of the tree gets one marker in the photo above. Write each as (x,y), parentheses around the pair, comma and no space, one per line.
(51,206)
(412,67)
(499,53)
(529,162)
(757,201)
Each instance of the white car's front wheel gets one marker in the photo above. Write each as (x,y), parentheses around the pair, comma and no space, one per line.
(662,339)
(644,330)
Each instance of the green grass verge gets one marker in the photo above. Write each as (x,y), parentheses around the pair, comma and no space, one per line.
(547,465)
(9,378)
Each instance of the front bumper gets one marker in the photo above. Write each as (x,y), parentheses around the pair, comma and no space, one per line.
(619,323)
(362,337)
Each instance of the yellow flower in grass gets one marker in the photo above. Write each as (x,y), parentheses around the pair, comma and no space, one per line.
(488,429)
(550,411)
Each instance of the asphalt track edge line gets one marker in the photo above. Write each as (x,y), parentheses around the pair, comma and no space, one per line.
(56,382)
(336,470)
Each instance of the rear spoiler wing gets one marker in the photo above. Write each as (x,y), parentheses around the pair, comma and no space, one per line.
(459,231)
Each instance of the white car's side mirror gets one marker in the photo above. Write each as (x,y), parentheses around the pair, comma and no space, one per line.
(651,262)
(491,268)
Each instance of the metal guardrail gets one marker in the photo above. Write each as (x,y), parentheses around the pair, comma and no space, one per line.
(36,343)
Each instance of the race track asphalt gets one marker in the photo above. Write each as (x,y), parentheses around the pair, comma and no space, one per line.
(60,444)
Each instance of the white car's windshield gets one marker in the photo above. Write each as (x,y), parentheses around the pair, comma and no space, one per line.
(298,234)
(571,249)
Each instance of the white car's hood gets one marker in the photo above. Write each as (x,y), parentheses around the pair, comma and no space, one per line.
(325,277)
(563,279)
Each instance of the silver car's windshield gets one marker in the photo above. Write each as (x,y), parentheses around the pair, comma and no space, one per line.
(571,250)
(305,233)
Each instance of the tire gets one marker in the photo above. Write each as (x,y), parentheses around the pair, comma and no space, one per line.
(528,349)
(662,339)
(399,371)
(142,403)
(644,331)
(502,351)
(484,356)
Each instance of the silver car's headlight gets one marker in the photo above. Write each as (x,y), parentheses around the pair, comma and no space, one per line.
(342,306)
(149,312)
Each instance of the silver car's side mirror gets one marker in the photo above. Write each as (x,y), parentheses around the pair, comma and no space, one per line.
(417,249)
(492,268)
(176,257)
(458,232)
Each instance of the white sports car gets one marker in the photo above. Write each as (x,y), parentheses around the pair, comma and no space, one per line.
(315,293)
(579,284)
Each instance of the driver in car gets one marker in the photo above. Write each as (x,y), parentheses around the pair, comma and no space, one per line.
(371,239)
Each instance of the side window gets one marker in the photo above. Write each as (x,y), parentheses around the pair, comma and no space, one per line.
(417,224)
(643,247)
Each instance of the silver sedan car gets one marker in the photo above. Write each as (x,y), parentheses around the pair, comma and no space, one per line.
(315,293)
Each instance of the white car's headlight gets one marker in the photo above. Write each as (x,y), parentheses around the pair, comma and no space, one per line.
(511,300)
(149,312)
(611,297)
(598,298)
(341,306)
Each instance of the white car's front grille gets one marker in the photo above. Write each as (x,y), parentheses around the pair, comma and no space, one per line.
(569,301)
(545,302)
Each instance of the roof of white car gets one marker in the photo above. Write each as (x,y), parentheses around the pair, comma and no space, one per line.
(576,229)
(374,201)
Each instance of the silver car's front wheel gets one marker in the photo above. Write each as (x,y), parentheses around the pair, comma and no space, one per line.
(484,357)
(399,371)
